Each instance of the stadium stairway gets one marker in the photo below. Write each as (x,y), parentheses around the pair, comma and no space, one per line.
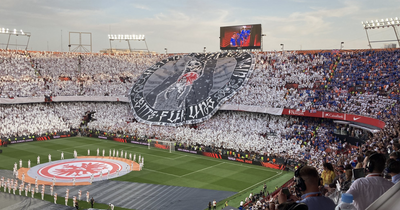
(31,61)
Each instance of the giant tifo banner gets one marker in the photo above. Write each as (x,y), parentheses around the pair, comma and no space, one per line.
(188,89)
(336,116)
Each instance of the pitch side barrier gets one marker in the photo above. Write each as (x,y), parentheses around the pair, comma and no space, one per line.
(44,137)
(335,116)
(269,161)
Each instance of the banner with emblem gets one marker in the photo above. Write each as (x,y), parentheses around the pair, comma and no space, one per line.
(189,89)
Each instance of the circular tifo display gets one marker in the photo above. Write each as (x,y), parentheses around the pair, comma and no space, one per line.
(189,89)
(81,169)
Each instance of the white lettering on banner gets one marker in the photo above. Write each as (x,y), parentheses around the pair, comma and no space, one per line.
(334,115)
(295,112)
(179,113)
(139,103)
(203,107)
(21,141)
(191,112)
(356,118)
(151,114)
(232,158)
(186,150)
(142,143)
(163,114)
(56,137)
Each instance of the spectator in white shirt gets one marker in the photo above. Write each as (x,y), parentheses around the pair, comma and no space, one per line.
(366,190)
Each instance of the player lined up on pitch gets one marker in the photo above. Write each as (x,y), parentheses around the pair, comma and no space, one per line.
(25,175)
(80,170)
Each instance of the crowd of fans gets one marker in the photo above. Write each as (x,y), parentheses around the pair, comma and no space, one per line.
(358,82)
(33,74)
(325,81)
(24,120)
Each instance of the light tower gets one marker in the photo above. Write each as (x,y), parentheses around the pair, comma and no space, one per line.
(128,38)
(16,33)
(388,22)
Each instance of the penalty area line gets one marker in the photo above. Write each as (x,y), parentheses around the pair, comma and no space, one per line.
(259,182)
(161,172)
(202,169)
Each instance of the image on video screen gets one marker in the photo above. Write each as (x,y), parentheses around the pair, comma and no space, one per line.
(240,37)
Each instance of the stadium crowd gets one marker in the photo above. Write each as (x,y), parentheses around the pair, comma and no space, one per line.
(362,83)
(33,74)
(358,82)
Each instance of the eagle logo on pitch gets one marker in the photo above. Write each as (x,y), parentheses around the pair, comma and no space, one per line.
(80,169)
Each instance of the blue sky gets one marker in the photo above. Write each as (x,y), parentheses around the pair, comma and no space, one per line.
(188,26)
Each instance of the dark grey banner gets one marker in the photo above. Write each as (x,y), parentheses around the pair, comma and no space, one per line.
(189,89)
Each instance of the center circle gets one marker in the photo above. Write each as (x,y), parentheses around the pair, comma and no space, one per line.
(80,169)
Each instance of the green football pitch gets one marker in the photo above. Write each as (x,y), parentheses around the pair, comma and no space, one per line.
(160,166)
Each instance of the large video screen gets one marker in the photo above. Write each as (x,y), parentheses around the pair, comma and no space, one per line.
(240,37)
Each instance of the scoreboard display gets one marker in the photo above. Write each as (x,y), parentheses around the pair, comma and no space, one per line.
(240,37)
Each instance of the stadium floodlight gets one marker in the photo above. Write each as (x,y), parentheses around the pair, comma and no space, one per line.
(387,22)
(15,32)
(138,37)
(128,38)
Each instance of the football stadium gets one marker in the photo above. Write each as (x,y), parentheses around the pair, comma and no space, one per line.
(239,127)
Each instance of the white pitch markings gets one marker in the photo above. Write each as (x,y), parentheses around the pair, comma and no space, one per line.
(178,157)
(259,183)
(202,169)
(161,172)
